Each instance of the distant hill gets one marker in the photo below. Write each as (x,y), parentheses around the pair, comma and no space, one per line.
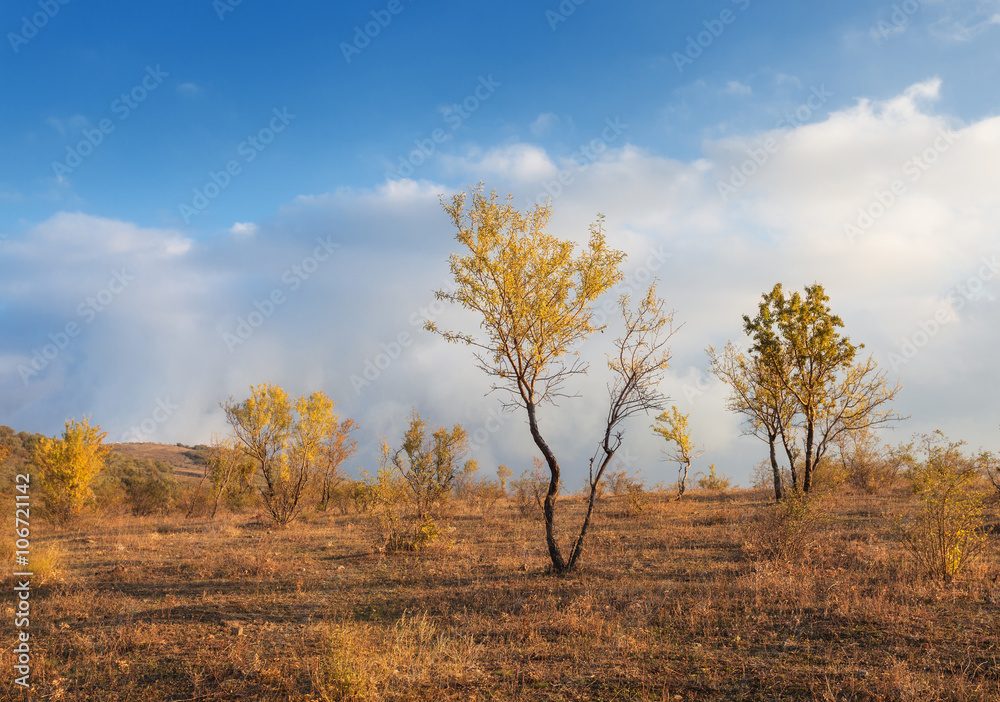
(188,462)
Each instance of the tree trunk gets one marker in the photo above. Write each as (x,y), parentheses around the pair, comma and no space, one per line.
(791,462)
(196,494)
(807,477)
(218,496)
(682,479)
(774,468)
(578,544)
(559,564)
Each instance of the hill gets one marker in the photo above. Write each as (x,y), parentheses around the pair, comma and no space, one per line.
(187,462)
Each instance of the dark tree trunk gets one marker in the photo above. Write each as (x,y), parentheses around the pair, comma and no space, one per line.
(807,477)
(791,462)
(775,470)
(609,453)
(559,564)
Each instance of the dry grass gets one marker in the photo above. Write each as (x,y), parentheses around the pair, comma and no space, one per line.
(677,603)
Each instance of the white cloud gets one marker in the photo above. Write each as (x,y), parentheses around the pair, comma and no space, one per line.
(965,20)
(734,87)
(188,89)
(245,230)
(368,297)
(544,124)
(517,162)
(69,126)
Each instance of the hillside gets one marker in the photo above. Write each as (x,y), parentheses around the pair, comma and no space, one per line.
(187,462)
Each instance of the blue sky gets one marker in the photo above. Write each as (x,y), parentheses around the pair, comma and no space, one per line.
(123,118)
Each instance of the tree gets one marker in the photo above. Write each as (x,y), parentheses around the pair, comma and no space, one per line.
(337,448)
(285,440)
(227,466)
(673,426)
(758,394)
(799,353)
(430,465)
(535,299)
(66,468)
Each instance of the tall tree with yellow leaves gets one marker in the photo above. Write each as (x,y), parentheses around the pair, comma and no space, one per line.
(800,350)
(535,297)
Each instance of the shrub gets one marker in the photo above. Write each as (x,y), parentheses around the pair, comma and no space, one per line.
(429,466)
(946,534)
(865,463)
(149,486)
(617,481)
(484,495)
(714,481)
(341,496)
(989,464)
(785,530)
(414,483)
(143,486)
(636,498)
(363,496)
(529,490)
(66,469)
(399,527)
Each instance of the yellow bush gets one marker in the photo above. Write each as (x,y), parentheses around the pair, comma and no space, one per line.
(945,536)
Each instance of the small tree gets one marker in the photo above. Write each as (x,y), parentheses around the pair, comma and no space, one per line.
(535,300)
(756,393)
(337,448)
(66,468)
(285,440)
(430,465)
(228,468)
(673,426)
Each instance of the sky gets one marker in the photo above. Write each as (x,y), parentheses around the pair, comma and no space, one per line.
(201,196)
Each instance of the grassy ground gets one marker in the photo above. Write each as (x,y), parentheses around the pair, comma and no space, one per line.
(678,603)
